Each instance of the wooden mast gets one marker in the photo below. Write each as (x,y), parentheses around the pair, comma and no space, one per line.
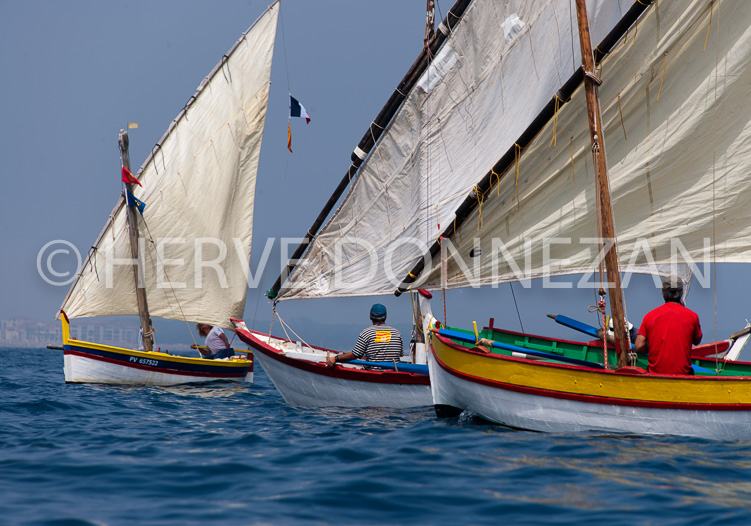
(143,307)
(601,180)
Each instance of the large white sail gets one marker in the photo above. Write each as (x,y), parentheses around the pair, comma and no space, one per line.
(499,67)
(677,143)
(198,187)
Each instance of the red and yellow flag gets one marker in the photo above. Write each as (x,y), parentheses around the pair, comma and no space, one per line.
(130,178)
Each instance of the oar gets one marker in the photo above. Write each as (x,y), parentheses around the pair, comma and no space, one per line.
(455,335)
(574,324)
(577,325)
(402,367)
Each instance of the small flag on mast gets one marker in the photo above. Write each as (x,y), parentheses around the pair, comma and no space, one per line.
(129,178)
(132,200)
(295,110)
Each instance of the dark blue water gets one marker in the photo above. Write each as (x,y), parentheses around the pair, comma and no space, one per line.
(229,454)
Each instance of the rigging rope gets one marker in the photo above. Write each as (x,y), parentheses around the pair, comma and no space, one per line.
(516,305)
(164,268)
(283,324)
(714,180)
(621,112)
(711,8)
(663,77)
(517,155)
(573,174)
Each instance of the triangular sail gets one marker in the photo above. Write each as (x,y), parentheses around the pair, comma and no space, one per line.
(199,187)
(495,72)
(678,156)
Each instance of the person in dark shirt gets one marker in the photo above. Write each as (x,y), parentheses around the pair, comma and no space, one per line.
(377,343)
(668,332)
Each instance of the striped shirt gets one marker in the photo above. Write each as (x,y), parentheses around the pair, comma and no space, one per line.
(379,343)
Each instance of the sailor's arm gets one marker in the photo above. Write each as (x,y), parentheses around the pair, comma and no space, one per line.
(641,345)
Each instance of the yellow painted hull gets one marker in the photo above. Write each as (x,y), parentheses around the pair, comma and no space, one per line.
(545,396)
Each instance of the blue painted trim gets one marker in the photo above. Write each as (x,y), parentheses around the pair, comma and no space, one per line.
(402,367)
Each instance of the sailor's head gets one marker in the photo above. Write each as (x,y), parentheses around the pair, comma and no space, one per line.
(378,313)
(672,289)
(203,329)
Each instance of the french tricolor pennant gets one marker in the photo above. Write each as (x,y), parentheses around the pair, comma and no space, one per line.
(295,110)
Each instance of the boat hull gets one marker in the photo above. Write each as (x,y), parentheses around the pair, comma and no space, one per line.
(301,376)
(543,396)
(86,362)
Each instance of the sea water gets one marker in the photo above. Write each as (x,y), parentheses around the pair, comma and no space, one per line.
(231,454)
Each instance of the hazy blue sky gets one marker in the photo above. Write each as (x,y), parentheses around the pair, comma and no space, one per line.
(75,72)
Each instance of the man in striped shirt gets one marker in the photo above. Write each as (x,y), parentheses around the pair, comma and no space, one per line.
(377,343)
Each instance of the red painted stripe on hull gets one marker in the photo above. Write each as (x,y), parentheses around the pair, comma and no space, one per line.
(360,375)
(158,369)
(588,398)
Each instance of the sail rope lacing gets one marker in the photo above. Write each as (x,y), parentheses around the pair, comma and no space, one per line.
(517,157)
(480,199)
(664,67)
(573,174)
(92,255)
(621,113)
(554,140)
(711,8)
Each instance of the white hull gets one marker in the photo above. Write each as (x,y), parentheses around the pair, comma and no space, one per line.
(557,415)
(307,389)
(80,369)
(299,374)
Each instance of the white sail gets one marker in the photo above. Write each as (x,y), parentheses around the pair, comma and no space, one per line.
(499,67)
(198,187)
(678,160)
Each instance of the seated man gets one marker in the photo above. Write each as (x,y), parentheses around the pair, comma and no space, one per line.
(668,332)
(378,343)
(216,341)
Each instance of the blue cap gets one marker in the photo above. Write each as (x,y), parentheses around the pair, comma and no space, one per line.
(378,312)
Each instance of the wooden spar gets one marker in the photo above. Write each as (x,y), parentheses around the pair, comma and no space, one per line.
(506,161)
(143,306)
(373,134)
(601,180)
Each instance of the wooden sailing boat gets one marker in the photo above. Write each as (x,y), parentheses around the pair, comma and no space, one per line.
(673,178)
(191,243)
(501,166)
(408,175)
(297,369)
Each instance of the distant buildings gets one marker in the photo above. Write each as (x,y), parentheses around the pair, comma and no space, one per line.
(26,333)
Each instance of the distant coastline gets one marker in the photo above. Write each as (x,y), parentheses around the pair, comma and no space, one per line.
(25,333)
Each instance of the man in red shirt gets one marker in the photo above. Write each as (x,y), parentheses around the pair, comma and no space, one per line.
(668,332)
